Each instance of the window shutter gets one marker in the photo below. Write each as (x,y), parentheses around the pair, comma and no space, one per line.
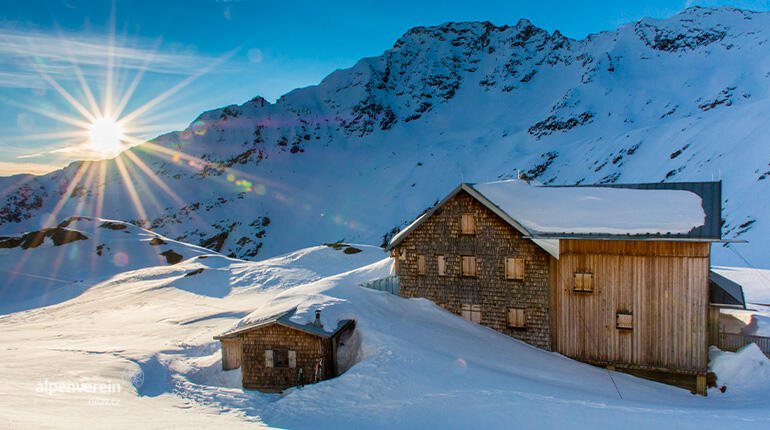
(625,320)
(268,358)
(578,282)
(584,282)
(471,312)
(467,224)
(441,265)
(465,311)
(517,318)
(476,313)
(292,359)
(420,264)
(469,265)
(514,268)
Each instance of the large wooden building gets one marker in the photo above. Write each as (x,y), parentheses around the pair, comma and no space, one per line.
(277,353)
(613,275)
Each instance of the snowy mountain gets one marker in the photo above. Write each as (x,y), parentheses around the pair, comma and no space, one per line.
(370,147)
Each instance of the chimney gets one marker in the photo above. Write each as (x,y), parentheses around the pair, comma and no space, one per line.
(317,321)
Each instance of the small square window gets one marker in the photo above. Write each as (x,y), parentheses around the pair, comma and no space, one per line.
(625,320)
(469,265)
(441,260)
(517,318)
(467,224)
(584,282)
(514,268)
(471,312)
(280,358)
(420,264)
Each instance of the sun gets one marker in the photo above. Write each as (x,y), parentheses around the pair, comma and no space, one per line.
(106,135)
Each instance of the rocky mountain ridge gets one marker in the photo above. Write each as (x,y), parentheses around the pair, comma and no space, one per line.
(370,147)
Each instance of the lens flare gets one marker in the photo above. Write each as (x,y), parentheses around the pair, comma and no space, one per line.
(106,136)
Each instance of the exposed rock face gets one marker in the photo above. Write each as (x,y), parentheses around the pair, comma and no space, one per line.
(363,152)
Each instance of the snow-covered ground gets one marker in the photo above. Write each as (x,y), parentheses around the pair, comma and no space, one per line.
(147,335)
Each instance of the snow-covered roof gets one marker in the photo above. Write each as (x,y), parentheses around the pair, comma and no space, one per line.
(548,213)
(284,319)
(543,210)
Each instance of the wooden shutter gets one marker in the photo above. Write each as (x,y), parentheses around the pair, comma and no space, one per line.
(476,313)
(517,318)
(584,282)
(465,311)
(268,358)
(514,268)
(292,359)
(420,264)
(625,320)
(441,260)
(471,312)
(469,265)
(467,224)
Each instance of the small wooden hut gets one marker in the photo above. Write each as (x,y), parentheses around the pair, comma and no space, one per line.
(277,353)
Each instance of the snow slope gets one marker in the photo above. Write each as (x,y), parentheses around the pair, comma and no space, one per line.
(40,274)
(369,148)
(149,332)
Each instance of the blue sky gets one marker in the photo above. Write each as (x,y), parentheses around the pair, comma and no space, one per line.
(184,57)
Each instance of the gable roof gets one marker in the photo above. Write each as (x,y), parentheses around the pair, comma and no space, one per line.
(545,214)
(284,319)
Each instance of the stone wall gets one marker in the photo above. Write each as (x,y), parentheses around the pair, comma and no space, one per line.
(493,241)
(309,348)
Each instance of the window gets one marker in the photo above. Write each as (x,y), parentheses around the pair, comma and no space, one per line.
(441,260)
(625,320)
(471,312)
(584,282)
(514,268)
(420,264)
(467,224)
(517,318)
(469,265)
(280,358)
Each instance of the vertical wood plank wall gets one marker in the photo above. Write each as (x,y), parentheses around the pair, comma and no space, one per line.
(664,284)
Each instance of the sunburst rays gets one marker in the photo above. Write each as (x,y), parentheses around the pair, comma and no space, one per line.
(103,123)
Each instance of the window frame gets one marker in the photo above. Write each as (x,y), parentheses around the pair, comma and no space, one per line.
(278,356)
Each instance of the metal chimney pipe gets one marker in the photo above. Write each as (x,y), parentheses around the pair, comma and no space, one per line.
(317,321)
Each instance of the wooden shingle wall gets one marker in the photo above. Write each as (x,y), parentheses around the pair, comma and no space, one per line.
(309,348)
(664,285)
(493,240)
